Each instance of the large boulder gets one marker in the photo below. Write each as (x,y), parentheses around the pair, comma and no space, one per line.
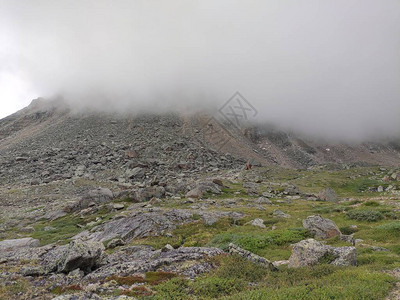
(187,261)
(78,254)
(320,227)
(11,245)
(329,195)
(94,197)
(147,193)
(311,252)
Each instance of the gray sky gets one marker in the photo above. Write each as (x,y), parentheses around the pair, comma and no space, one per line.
(330,67)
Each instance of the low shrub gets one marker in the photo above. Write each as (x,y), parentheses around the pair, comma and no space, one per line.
(214,287)
(255,243)
(365,215)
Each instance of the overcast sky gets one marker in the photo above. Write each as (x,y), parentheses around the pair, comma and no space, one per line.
(328,67)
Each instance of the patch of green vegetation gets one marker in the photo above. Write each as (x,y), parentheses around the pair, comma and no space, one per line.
(196,234)
(371,204)
(174,289)
(66,289)
(348,230)
(65,227)
(365,215)
(152,278)
(326,209)
(212,287)
(342,284)
(392,227)
(257,242)
(15,289)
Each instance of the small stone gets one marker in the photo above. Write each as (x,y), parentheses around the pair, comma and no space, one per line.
(118,206)
(258,223)
(167,248)
(280,214)
(28,229)
(115,243)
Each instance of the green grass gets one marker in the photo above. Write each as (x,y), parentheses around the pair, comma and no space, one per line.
(239,279)
(65,227)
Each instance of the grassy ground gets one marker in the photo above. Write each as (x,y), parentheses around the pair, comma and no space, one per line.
(370,216)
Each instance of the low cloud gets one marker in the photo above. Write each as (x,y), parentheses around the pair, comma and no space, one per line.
(330,68)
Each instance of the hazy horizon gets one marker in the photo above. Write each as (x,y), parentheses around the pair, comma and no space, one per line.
(329,68)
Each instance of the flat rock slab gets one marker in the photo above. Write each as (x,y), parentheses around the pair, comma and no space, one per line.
(142,259)
(9,245)
(140,224)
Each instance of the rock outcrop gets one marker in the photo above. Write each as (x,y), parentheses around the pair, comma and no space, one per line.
(311,252)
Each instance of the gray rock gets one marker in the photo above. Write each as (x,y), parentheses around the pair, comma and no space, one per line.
(147,193)
(311,252)
(329,195)
(320,227)
(115,243)
(142,259)
(118,206)
(263,200)
(258,223)
(234,249)
(94,197)
(194,193)
(78,254)
(135,173)
(11,245)
(280,214)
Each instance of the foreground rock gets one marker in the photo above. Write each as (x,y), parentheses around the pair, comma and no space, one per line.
(77,255)
(11,245)
(320,227)
(234,249)
(311,252)
(329,195)
(187,261)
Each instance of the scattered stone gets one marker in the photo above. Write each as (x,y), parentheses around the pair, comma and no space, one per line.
(28,229)
(263,200)
(258,223)
(194,193)
(167,248)
(280,214)
(234,249)
(118,206)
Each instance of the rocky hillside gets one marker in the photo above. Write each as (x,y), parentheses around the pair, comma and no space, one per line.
(107,206)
